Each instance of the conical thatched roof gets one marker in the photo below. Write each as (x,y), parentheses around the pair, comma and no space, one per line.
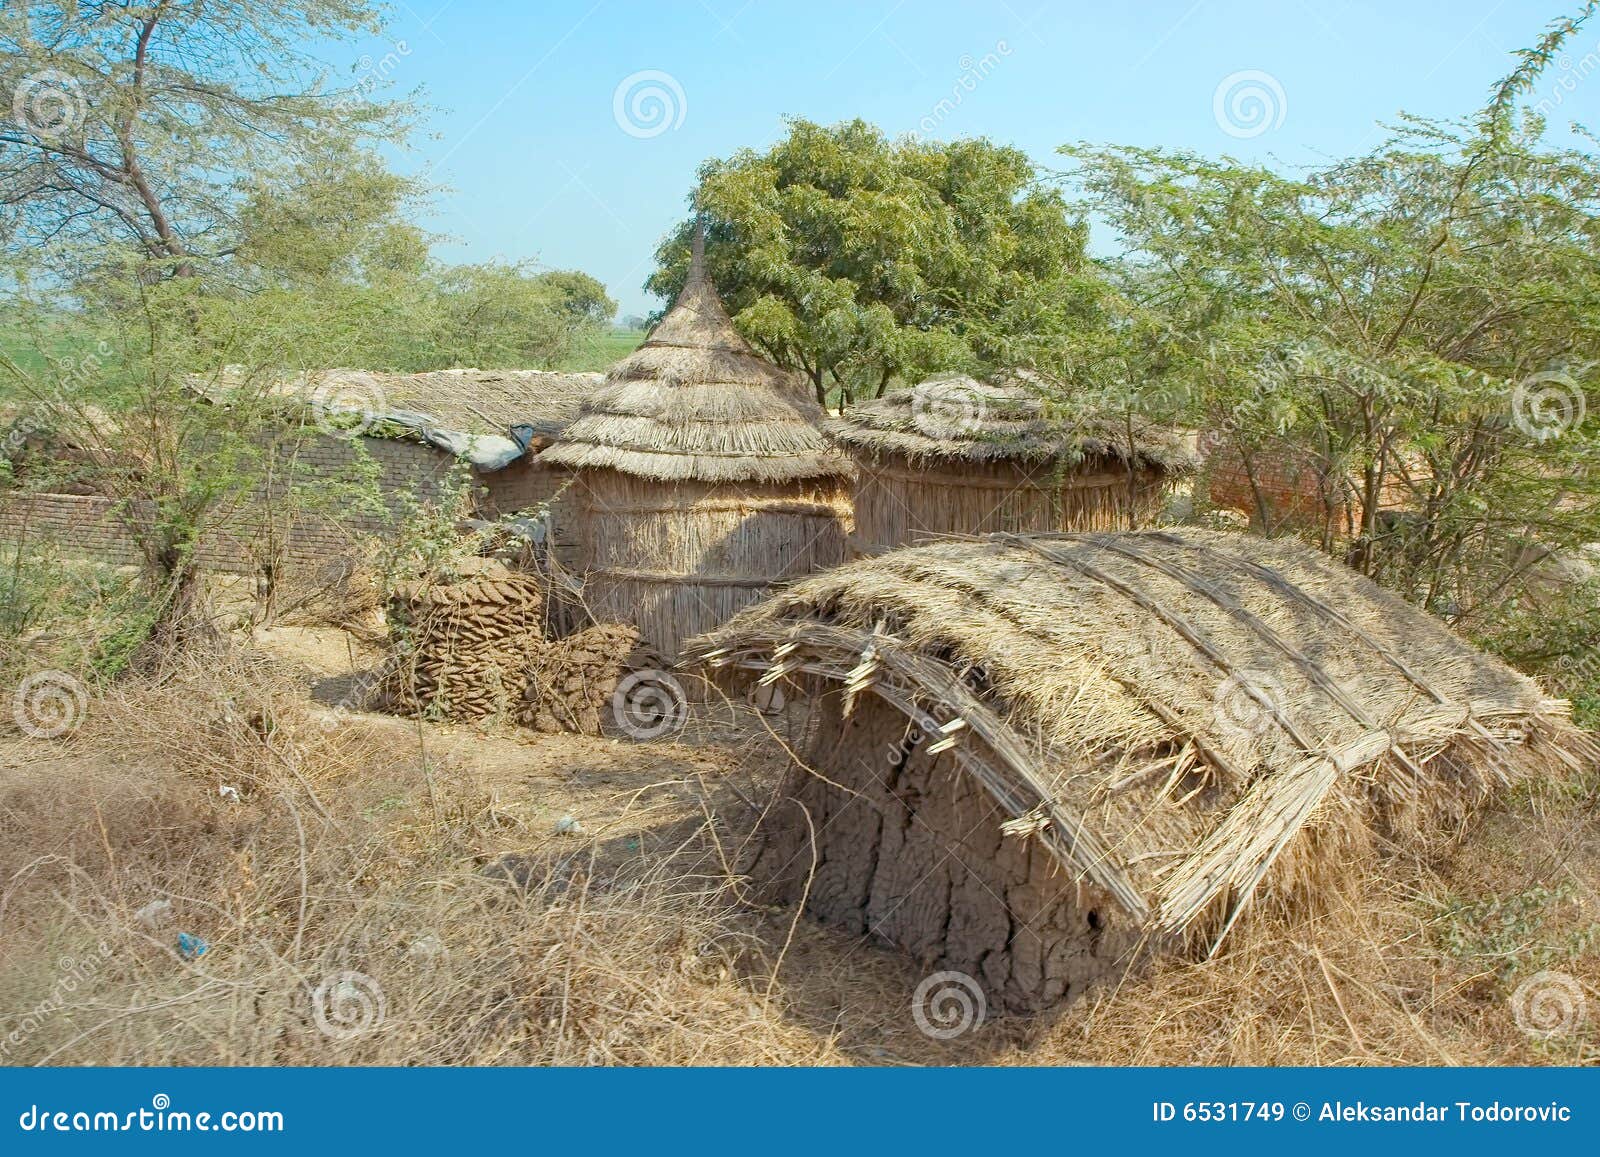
(696,403)
(958,418)
(1178,716)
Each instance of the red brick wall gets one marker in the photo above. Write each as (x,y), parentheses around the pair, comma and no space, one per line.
(1287,482)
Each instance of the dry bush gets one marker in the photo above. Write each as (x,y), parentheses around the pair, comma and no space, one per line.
(340,855)
(347,852)
(1418,963)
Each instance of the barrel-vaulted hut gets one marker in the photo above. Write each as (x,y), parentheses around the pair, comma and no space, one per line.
(1031,759)
(954,455)
(703,477)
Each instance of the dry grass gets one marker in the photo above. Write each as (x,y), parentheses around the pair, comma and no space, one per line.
(349,851)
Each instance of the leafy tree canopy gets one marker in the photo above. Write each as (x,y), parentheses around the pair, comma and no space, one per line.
(858,260)
(157,125)
(1419,326)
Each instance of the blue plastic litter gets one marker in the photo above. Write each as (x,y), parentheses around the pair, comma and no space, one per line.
(191,947)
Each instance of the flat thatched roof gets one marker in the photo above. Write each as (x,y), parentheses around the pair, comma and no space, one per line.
(696,403)
(471,401)
(1179,716)
(955,418)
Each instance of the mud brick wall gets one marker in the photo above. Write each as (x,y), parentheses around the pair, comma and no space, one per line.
(85,526)
(1287,482)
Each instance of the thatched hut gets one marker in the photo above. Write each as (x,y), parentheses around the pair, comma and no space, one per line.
(703,477)
(1033,758)
(954,455)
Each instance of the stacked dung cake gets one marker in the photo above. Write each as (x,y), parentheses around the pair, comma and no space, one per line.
(463,641)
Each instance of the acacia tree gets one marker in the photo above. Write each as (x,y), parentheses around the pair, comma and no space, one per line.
(858,260)
(158,162)
(1420,327)
(149,124)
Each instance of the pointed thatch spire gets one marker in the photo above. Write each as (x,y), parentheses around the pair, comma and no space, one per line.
(695,402)
(697,250)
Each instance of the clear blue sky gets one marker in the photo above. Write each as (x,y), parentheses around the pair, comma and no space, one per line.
(536,164)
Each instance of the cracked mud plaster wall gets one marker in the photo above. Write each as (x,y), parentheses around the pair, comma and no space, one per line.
(912,854)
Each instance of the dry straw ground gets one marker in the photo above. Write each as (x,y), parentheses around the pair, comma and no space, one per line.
(376,846)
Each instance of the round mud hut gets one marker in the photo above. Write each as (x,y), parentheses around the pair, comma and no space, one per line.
(1036,759)
(703,477)
(954,455)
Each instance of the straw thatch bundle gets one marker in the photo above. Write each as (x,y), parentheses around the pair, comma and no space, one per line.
(1155,727)
(463,641)
(954,455)
(704,476)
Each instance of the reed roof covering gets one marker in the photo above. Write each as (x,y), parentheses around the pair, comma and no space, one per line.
(696,403)
(1181,717)
(493,401)
(954,417)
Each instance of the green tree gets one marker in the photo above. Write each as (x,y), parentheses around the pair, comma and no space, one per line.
(172,173)
(1419,326)
(499,315)
(858,260)
(152,125)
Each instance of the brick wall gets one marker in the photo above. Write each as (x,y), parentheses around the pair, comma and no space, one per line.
(1287,482)
(265,525)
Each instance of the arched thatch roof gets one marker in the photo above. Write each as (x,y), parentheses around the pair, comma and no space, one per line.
(696,403)
(953,417)
(1178,716)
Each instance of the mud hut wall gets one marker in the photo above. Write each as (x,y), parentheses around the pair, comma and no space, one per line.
(677,559)
(897,502)
(913,855)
